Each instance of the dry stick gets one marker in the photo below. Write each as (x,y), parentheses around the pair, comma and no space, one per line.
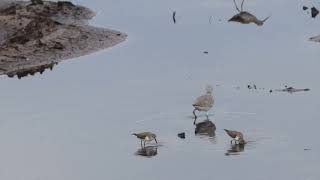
(174,17)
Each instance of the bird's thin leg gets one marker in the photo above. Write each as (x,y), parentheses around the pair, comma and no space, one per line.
(207,115)
(195,116)
(141,143)
(242,5)
(234,1)
(194,113)
(144,144)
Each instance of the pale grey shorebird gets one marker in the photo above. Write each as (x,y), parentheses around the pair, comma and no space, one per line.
(203,103)
(236,136)
(245,17)
(146,136)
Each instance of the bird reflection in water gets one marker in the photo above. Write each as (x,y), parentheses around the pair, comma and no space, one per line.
(235,149)
(206,128)
(245,17)
(148,151)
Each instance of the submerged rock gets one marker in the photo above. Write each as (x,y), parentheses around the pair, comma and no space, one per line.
(38,33)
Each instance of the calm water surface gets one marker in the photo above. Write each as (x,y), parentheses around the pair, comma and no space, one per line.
(75,122)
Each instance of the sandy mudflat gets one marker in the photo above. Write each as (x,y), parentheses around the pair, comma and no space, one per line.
(34,37)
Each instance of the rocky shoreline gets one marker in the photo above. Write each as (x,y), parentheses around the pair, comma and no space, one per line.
(40,33)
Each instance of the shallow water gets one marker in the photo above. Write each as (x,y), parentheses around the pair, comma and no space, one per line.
(75,122)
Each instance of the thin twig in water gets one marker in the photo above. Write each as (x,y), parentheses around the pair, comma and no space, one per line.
(174,17)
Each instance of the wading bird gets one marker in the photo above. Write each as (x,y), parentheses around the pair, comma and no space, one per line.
(245,17)
(237,137)
(203,103)
(146,136)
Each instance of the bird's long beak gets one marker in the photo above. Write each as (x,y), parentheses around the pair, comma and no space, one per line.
(266,19)
(156,140)
(234,18)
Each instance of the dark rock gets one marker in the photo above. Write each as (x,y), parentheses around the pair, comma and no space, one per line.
(182,135)
(305,8)
(205,52)
(314,12)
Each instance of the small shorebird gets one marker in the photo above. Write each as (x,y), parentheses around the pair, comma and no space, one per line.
(237,136)
(245,17)
(146,136)
(203,103)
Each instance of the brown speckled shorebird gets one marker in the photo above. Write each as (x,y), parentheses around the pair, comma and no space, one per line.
(203,103)
(237,136)
(245,17)
(146,136)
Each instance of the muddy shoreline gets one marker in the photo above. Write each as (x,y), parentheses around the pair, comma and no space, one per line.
(37,35)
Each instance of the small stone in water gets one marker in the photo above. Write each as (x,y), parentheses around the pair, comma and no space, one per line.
(182,135)
(314,12)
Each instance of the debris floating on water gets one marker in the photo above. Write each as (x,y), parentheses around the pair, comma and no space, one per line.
(174,17)
(292,89)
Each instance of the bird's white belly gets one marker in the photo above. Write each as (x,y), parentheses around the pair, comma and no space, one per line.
(148,139)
